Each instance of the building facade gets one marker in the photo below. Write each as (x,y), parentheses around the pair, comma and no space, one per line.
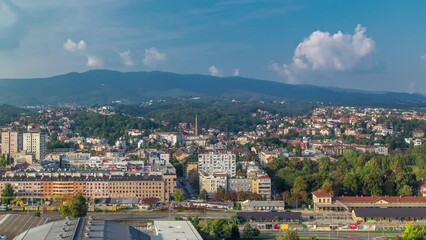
(212,181)
(218,162)
(91,186)
(325,201)
(35,143)
(11,143)
(261,185)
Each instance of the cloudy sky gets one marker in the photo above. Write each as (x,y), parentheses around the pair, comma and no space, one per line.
(363,44)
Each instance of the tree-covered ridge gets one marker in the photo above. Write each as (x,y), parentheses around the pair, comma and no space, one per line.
(110,127)
(354,173)
(224,115)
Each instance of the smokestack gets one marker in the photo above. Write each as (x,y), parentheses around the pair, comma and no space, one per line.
(196,124)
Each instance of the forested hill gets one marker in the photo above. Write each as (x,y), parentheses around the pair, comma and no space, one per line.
(105,86)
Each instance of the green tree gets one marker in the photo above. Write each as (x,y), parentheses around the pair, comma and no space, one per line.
(77,207)
(250,232)
(373,184)
(413,232)
(7,194)
(37,214)
(178,195)
(3,161)
(350,182)
(235,233)
(405,191)
(327,186)
(290,235)
(203,195)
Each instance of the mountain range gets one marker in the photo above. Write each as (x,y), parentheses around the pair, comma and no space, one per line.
(106,86)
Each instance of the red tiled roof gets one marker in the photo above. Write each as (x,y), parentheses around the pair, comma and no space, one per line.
(374,199)
(322,193)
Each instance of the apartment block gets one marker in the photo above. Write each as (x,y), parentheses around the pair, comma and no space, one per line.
(212,181)
(11,143)
(35,144)
(218,162)
(261,184)
(91,186)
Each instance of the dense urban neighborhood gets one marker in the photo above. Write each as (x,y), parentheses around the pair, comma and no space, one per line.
(362,166)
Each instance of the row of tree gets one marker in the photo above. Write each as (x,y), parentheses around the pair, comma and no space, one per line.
(354,173)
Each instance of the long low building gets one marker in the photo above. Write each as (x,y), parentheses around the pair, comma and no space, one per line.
(388,214)
(83,228)
(270,216)
(249,205)
(325,201)
(93,187)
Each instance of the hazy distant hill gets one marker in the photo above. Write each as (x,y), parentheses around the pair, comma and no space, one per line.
(104,86)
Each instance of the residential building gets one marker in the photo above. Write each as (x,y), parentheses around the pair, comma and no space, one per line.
(261,184)
(212,181)
(91,184)
(11,143)
(171,138)
(35,144)
(218,162)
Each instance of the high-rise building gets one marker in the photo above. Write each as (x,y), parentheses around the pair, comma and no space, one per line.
(11,143)
(218,162)
(35,144)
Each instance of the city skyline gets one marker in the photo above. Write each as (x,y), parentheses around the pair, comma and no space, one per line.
(368,45)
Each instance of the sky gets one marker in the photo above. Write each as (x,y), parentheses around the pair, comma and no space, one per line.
(361,44)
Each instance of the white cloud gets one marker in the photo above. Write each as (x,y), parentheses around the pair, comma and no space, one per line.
(236,72)
(153,57)
(322,51)
(72,46)
(214,71)
(93,61)
(126,58)
(423,58)
(12,25)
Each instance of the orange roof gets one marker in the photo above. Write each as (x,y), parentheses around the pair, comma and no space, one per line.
(322,193)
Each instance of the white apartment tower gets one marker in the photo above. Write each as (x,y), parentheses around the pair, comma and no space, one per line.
(216,162)
(11,143)
(35,144)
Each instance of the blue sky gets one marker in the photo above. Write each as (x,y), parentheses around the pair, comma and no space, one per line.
(362,44)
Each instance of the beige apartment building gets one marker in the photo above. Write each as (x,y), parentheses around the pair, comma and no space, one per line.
(93,187)
(11,143)
(212,181)
(35,143)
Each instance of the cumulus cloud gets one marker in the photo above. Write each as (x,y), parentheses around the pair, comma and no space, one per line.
(93,61)
(12,26)
(72,46)
(322,51)
(423,58)
(153,57)
(214,71)
(236,72)
(126,58)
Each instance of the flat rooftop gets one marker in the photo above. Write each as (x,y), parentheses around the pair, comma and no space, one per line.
(182,230)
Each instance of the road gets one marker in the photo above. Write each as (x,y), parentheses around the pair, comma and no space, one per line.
(343,235)
(146,215)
